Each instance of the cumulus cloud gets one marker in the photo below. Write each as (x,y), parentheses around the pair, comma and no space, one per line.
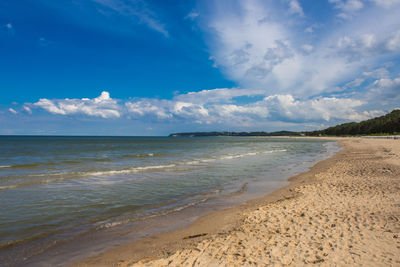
(219,106)
(101,106)
(286,107)
(152,107)
(167,109)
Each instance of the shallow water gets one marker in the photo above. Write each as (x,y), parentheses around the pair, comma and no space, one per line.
(54,189)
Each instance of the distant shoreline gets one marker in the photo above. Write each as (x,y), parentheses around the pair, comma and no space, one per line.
(244,134)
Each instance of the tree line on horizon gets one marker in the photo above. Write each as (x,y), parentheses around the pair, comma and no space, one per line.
(205,134)
(387,124)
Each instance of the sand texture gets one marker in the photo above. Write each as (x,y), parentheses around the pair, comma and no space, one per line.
(345,214)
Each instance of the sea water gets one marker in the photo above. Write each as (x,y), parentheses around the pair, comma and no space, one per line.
(54,190)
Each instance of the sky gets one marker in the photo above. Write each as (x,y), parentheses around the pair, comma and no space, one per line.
(133,67)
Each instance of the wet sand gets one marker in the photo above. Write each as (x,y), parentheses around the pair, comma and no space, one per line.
(344,211)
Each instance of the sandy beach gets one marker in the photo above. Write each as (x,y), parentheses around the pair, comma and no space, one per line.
(344,211)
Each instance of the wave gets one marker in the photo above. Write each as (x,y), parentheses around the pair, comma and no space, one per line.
(168,166)
(23,166)
(50,164)
(236,156)
(210,196)
(47,181)
(10,186)
(141,155)
(152,168)
(5,166)
(102,225)
(131,170)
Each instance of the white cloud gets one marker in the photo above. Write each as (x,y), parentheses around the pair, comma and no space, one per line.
(367,45)
(393,43)
(385,89)
(166,109)
(234,107)
(309,29)
(375,74)
(27,109)
(212,58)
(307,48)
(150,107)
(8,28)
(386,3)
(13,111)
(230,111)
(223,109)
(347,7)
(295,8)
(101,106)
(286,107)
(224,95)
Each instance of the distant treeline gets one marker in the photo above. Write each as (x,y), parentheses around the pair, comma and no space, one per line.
(204,134)
(387,124)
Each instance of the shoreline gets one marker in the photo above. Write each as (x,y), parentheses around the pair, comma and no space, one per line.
(250,178)
(219,222)
(345,210)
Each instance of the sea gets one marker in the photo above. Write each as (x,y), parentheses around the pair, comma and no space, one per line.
(64,198)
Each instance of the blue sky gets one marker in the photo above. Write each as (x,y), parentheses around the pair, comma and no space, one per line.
(130,67)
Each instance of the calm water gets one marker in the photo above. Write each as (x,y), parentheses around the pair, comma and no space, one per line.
(54,189)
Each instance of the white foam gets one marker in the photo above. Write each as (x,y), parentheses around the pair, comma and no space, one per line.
(131,170)
(5,166)
(8,187)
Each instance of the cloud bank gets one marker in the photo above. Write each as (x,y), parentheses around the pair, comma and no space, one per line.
(223,106)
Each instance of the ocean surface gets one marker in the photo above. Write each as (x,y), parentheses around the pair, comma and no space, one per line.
(55,191)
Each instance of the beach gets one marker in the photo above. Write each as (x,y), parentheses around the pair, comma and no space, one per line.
(344,211)
(69,198)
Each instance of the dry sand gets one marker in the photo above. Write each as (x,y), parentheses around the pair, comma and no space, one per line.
(344,211)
